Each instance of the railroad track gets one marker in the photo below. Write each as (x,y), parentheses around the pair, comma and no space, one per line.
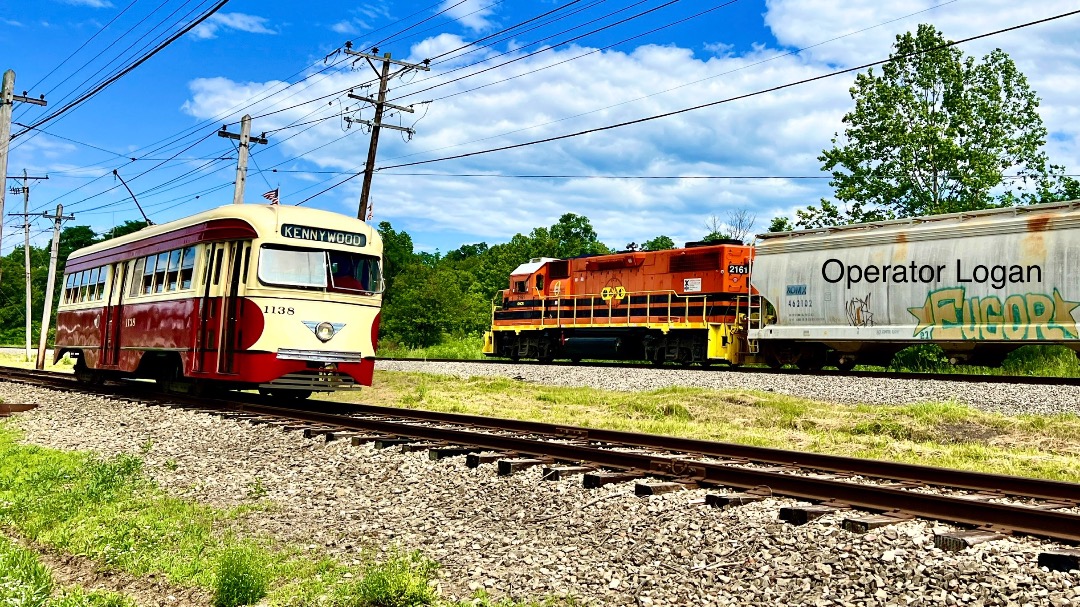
(870,493)
(957,377)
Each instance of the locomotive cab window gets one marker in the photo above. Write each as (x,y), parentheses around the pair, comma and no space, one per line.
(539,282)
(521,286)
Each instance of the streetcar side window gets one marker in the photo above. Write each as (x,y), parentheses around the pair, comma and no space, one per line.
(69,282)
(84,277)
(135,276)
(217,266)
(91,285)
(159,272)
(148,275)
(173,277)
(187,267)
(103,273)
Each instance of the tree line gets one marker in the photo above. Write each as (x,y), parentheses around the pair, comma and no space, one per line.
(933,132)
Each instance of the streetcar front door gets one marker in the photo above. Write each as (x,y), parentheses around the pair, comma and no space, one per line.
(230,306)
(114,316)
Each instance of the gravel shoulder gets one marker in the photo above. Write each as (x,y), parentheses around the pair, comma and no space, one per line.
(522,537)
(1008,399)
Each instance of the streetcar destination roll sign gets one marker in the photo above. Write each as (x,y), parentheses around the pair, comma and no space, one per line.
(289,230)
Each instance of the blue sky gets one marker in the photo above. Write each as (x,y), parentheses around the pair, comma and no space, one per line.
(263,57)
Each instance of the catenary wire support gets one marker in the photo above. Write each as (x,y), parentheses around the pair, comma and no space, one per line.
(7,103)
(380,104)
(46,315)
(246,140)
(24,189)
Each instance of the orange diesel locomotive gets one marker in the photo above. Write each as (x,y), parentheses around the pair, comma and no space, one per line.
(684,306)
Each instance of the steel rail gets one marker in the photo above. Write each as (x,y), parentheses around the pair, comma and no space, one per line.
(1021,519)
(1016,486)
(956,377)
(1040,521)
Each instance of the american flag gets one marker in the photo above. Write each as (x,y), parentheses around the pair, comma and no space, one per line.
(272,196)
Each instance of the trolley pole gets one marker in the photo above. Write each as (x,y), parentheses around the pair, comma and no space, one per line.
(46,316)
(7,102)
(380,103)
(242,157)
(25,188)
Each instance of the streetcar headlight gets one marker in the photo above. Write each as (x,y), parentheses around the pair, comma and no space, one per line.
(325,331)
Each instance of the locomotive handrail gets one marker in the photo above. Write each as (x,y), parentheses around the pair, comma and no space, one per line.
(673,301)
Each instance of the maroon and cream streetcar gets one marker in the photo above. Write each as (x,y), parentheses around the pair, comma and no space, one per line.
(280,298)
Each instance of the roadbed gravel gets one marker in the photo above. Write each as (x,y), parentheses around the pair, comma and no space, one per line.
(1008,399)
(523,537)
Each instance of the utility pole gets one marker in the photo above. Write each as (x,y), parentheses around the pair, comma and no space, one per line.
(46,316)
(380,103)
(7,102)
(25,190)
(242,158)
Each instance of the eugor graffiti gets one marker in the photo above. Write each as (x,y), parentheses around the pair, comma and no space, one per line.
(948,315)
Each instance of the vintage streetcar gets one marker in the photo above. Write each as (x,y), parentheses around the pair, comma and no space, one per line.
(279,298)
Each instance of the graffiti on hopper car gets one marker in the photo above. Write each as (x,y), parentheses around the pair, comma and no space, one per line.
(859,313)
(948,315)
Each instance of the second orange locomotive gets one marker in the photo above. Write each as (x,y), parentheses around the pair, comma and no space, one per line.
(684,306)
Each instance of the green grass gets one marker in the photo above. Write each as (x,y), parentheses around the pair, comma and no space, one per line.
(106,510)
(25,582)
(939,434)
(1043,361)
(241,577)
(467,348)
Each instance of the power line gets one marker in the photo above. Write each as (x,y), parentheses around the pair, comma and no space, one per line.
(574,58)
(700,106)
(730,99)
(72,105)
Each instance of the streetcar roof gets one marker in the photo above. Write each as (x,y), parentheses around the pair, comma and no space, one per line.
(262,219)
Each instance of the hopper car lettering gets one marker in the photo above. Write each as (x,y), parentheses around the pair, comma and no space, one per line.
(225,299)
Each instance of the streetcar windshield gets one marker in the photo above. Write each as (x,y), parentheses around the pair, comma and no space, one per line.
(341,271)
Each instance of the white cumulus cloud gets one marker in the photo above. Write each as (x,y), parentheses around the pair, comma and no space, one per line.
(777,135)
(234,21)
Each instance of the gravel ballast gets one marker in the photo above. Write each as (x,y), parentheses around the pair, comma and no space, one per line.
(523,537)
(1009,399)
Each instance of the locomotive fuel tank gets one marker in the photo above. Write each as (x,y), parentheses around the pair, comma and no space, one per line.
(979,284)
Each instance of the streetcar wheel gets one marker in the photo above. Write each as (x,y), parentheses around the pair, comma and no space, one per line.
(86,375)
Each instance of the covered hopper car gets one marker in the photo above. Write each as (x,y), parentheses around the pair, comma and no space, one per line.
(278,298)
(977,284)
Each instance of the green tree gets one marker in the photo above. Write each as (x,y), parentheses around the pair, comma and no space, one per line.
(780,224)
(660,243)
(124,229)
(934,132)
(571,236)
